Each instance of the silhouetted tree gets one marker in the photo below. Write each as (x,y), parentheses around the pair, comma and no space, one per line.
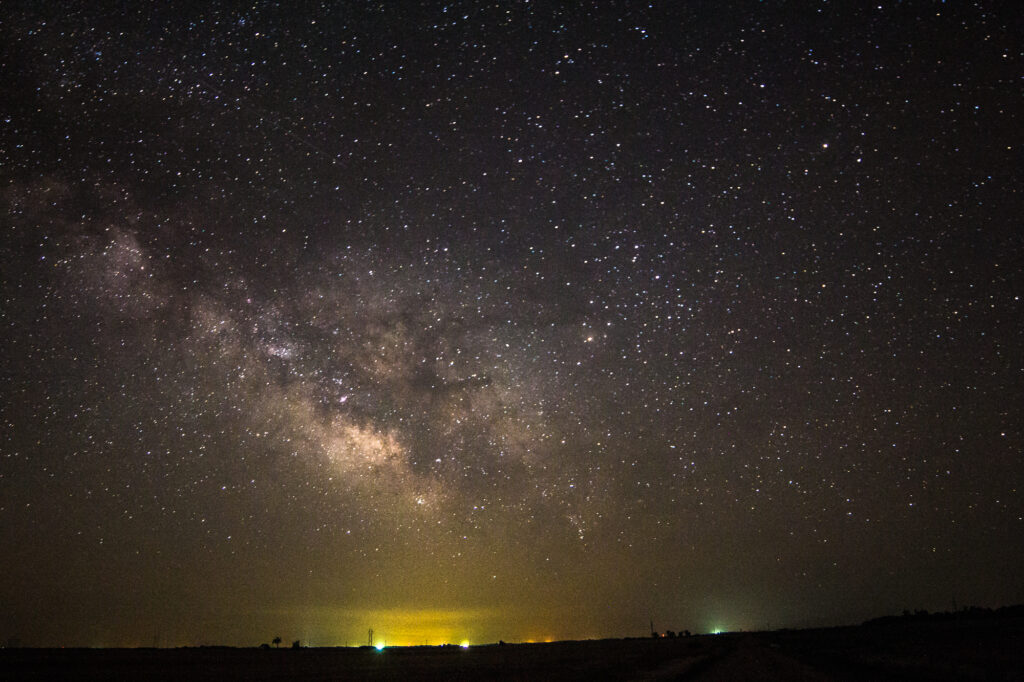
(295,644)
(276,641)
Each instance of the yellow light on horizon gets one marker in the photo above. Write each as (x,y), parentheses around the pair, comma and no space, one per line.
(417,627)
(465,644)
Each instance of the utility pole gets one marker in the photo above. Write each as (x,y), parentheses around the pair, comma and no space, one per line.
(370,638)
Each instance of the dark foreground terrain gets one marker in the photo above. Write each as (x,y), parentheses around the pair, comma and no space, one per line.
(899,650)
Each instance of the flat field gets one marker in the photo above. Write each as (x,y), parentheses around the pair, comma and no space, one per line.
(950,650)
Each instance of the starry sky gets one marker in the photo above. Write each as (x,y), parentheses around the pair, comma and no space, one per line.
(514,320)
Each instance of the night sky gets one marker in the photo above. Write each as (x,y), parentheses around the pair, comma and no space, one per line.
(517,320)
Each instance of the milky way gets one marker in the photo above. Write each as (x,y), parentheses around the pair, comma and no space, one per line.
(473,322)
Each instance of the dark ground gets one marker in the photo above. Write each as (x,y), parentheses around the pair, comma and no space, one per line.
(900,650)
